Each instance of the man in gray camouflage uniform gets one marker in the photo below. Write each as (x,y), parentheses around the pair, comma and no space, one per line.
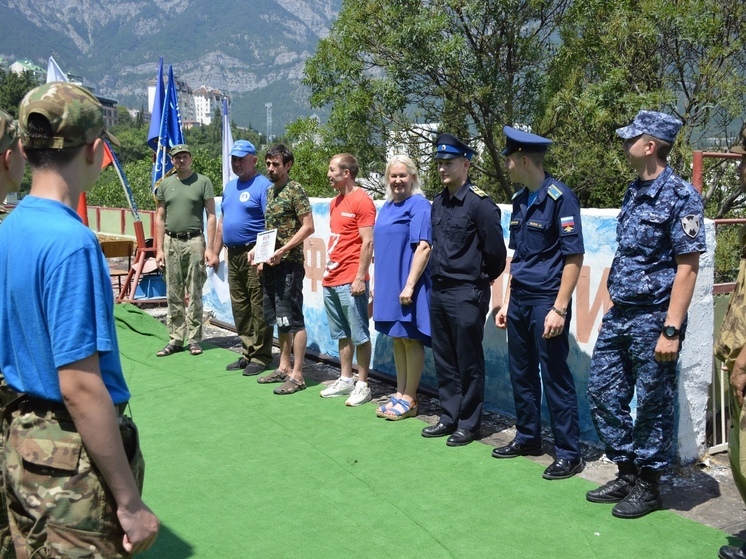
(74,470)
(661,235)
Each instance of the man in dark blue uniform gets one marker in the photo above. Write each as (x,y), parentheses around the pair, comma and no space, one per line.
(468,254)
(661,235)
(547,239)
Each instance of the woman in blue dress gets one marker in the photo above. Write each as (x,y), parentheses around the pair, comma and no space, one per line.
(401,304)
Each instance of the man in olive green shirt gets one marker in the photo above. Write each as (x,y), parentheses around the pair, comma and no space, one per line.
(182,199)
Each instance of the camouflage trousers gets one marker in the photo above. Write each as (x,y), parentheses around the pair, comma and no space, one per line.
(623,366)
(247,295)
(185,275)
(58,503)
(6,545)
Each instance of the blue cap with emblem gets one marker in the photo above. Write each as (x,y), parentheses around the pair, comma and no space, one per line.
(658,125)
(516,140)
(242,148)
(450,147)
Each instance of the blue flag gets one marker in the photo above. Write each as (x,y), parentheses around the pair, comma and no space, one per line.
(170,132)
(155,117)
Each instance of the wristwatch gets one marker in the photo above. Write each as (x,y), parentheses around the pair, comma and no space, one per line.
(670,331)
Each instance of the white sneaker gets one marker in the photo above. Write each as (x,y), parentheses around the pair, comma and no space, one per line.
(359,396)
(339,388)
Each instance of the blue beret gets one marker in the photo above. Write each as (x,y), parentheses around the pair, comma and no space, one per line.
(515,140)
(658,125)
(450,147)
(241,148)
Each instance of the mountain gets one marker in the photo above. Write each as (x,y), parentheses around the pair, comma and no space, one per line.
(254,51)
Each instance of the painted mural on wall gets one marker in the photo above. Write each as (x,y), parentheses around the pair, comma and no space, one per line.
(589,303)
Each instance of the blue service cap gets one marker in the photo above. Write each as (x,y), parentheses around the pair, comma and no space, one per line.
(241,148)
(450,147)
(658,125)
(516,140)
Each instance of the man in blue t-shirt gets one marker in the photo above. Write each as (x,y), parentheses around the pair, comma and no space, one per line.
(73,465)
(244,202)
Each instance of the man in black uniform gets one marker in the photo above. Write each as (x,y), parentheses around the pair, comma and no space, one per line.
(468,254)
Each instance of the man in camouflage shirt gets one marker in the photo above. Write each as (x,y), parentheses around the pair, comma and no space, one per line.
(289,211)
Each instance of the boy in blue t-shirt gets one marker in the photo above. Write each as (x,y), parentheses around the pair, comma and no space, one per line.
(68,444)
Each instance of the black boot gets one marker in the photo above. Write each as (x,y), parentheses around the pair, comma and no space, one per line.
(730,552)
(644,498)
(618,488)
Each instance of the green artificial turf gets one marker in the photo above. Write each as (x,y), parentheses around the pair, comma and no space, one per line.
(234,471)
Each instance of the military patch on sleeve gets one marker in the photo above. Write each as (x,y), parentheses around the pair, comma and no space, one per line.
(478,191)
(567,224)
(554,192)
(691,225)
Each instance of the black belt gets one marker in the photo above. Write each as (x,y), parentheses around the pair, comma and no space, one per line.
(186,235)
(39,405)
(241,248)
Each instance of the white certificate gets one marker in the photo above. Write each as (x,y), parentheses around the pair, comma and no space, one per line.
(265,245)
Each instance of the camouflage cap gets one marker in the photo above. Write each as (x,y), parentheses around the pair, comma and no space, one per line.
(658,125)
(74,113)
(8,131)
(740,145)
(179,148)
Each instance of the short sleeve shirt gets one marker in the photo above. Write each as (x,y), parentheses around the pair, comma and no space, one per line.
(56,302)
(656,224)
(347,215)
(243,209)
(542,234)
(285,207)
(184,201)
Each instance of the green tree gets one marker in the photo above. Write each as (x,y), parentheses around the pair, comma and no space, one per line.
(616,57)
(312,151)
(388,66)
(13,87)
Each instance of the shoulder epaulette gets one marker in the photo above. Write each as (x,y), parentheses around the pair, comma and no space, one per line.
(554,192)
(517,194)
(478,191)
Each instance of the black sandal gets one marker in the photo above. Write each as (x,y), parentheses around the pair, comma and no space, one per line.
(195,349)
(170,349)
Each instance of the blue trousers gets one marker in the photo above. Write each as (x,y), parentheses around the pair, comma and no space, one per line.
(528,351)
(623,364)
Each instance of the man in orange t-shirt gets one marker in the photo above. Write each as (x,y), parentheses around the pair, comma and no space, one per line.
(351,218)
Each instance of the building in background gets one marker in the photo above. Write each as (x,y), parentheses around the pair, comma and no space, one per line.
(206,101)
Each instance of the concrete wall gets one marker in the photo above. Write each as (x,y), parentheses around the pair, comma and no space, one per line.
(589,303)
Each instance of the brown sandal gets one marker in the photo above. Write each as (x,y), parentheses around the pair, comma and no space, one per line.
(170,349)
(275,376)
(291,386)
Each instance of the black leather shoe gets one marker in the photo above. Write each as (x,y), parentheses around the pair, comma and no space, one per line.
(438,430)
(515,449)
(730,552)
(460,437)
(643,499)
(237,365)
(613,491)
(562,468)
